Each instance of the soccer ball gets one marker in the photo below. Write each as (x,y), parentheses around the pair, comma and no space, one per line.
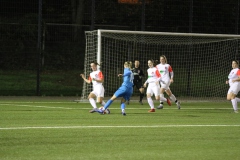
(107,111)
(101,108)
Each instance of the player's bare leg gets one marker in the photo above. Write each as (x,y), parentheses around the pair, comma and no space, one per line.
(163,99)
(173,98)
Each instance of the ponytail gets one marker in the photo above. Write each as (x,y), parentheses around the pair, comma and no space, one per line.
(128,64)
(154,62)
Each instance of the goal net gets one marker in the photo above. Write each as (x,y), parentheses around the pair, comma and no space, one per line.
(201,62)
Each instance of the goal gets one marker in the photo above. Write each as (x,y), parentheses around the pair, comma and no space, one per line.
(201,62)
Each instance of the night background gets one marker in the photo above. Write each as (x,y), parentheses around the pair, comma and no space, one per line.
(43,41)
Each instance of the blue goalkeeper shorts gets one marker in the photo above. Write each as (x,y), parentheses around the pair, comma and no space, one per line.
(124,92)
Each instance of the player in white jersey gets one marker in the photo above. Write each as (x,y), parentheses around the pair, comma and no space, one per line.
(97,78)
(153,86)
(234,85)
(167,76)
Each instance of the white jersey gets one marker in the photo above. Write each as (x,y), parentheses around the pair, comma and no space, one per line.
(164,70)
(96,75)
(234,74)
(153,75)
(98,88)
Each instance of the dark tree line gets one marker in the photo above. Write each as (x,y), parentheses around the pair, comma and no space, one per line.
(64,23)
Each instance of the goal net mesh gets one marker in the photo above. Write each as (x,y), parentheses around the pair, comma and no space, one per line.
(201,63)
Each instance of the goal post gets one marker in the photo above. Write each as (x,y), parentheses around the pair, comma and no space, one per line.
(201,62)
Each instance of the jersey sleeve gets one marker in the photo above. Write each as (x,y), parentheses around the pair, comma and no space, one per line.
(90,78)
(100,75)
(238,73)
(170,69)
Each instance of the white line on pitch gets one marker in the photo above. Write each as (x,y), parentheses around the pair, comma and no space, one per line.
(46,107)
(21,105)
(154,126)
(118,108)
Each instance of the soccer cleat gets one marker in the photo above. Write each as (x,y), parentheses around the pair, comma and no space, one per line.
(141,102)
(128,102)
(178,105)
(235,111)
(160,106)
(169,102)
(101,111)
(93,110)
(152,110)
(123,113)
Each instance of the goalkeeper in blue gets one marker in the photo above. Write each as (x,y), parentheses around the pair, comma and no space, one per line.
(125,90)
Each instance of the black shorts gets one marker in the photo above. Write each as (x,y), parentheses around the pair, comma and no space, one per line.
(138,84)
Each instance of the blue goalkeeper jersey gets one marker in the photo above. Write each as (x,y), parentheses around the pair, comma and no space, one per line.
(128,78)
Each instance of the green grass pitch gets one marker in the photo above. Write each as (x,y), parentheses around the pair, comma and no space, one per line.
(64,130)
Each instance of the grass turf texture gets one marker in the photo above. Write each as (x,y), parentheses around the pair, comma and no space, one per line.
(65,130)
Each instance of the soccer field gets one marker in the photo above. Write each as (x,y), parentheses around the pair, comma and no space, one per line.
(65,130)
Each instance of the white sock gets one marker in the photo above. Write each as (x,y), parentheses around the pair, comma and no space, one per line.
(237,99)
(173,98)
(234,104)
(92,102)
(103,103)
(162,98)
(150,102)
(161,102)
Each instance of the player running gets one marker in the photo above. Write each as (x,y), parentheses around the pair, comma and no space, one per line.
(234,85)
(167,76)
(153,86)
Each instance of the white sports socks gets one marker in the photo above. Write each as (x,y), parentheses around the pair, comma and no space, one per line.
(150,102)
(234,104)
(92,102)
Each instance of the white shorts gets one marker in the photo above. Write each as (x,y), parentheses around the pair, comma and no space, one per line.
(166,85)
(98,90)
(234,88)
(153,88)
